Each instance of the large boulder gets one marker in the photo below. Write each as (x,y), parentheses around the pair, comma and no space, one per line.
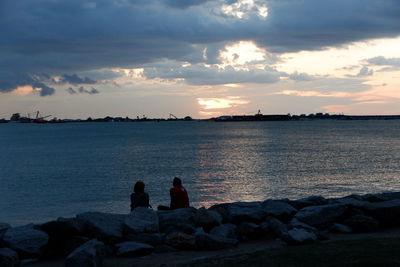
(8,258)
(351,201)
(106,227)
(247,230)
(308,201)
(133,249)
(362,224)
(277,228)
(179,220)
(279,209)
(322,216)
(239,212)
(300,236)
(214,242)
(90,254)
(153,239)
(227,230)
(180,240)
(386,212)
(207,219)
(60,233)
(295,223)
(26,240)
(142,220)
(338,228)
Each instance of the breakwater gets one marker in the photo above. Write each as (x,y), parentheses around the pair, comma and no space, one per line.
(87,238)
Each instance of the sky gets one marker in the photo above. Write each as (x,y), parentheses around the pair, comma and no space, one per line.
(199,58)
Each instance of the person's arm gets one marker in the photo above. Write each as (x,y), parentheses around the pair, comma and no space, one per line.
(173,198)
(132,202)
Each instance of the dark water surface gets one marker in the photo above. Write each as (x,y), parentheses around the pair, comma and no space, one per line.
(47,171)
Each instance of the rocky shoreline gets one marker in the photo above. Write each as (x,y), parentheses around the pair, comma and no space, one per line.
(88,238)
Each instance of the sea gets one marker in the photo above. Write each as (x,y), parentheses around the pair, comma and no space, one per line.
(59,170)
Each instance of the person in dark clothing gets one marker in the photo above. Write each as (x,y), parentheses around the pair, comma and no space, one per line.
(179,195)
(139,198)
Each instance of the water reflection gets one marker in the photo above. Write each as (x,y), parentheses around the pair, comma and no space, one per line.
(229,166)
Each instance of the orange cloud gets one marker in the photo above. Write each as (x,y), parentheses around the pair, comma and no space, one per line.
(25,90)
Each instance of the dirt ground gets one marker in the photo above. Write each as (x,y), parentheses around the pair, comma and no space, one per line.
(181,258)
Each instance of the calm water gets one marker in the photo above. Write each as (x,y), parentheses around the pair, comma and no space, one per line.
(47,171)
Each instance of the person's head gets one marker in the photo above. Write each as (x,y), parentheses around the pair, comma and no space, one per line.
(139,187)
(177,182)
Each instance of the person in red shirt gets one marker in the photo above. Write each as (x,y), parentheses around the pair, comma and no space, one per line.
(179,195)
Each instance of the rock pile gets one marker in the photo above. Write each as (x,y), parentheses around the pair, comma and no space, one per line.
(89,237)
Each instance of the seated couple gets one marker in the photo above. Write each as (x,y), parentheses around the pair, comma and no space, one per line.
(179,196)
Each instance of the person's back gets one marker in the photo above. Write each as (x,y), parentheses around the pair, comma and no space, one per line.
(179,195)
(139,198)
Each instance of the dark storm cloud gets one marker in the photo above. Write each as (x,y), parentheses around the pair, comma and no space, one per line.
(82,90)
(58,37)
(9,81)
(75,79)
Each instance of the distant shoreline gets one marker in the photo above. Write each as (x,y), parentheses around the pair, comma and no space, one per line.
(234,118)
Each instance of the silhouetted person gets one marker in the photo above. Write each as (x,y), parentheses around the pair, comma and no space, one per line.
(179,195)
(139,198)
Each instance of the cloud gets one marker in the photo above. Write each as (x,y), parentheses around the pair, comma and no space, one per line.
(314,93)
(58,37)
(75,79)
(364,72)
(383,61)
(15,81)
(82,90)
(296,76)
(213,75)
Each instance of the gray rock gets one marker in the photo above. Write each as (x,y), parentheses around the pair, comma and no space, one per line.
(153,239)
(374,198)
(133,249)
(227,230)
(180,240)
(106,227)
(279,209)
(309,201)
(300,236)
(142,220)
(321,216)
(90,254)
(362,224)
(214,242)
(239,212)
(26,240)
(351,202)
(295,223)
(8,258)
(248,231)
(390,195)
(207,219)
(199,231)
(338,228)
(386,212)
(179,220)
(278,229)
